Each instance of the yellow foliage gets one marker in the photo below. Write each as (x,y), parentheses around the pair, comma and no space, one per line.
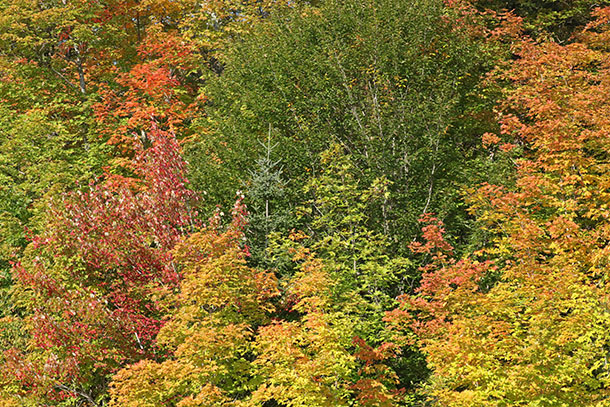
(209,333)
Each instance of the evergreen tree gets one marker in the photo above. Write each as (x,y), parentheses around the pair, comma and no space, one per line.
(267,206)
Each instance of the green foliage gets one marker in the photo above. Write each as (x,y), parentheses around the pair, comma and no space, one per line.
(392,82)
(366,276)
(307,361)
(40,157)
(338,221)
(267,206)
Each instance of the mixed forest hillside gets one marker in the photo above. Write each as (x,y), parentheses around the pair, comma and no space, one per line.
(283,203)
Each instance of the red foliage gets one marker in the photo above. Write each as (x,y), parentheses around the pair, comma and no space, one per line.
(96,278)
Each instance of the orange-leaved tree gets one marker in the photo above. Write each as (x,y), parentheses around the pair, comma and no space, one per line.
(526,320)
(180,46)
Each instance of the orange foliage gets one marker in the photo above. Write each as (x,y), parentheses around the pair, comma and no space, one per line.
(538,333)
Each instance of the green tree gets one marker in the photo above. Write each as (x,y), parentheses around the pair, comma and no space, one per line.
(393,82)
(366,276)
(266,198)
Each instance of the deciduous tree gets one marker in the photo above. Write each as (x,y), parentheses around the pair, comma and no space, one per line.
(209,335)
(92,284)
(525,321)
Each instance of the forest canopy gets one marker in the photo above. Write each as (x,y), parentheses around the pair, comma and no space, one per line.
(304,203)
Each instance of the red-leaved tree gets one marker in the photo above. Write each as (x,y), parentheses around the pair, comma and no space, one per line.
(93,284)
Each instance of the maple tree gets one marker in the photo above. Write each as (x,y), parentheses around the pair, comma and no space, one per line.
(525,320)
(316,357)
(329,347)
(209,334)
(180,46)
(556,19)
(357,258)
(93,282)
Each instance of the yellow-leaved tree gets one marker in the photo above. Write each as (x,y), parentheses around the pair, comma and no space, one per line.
(209,336)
